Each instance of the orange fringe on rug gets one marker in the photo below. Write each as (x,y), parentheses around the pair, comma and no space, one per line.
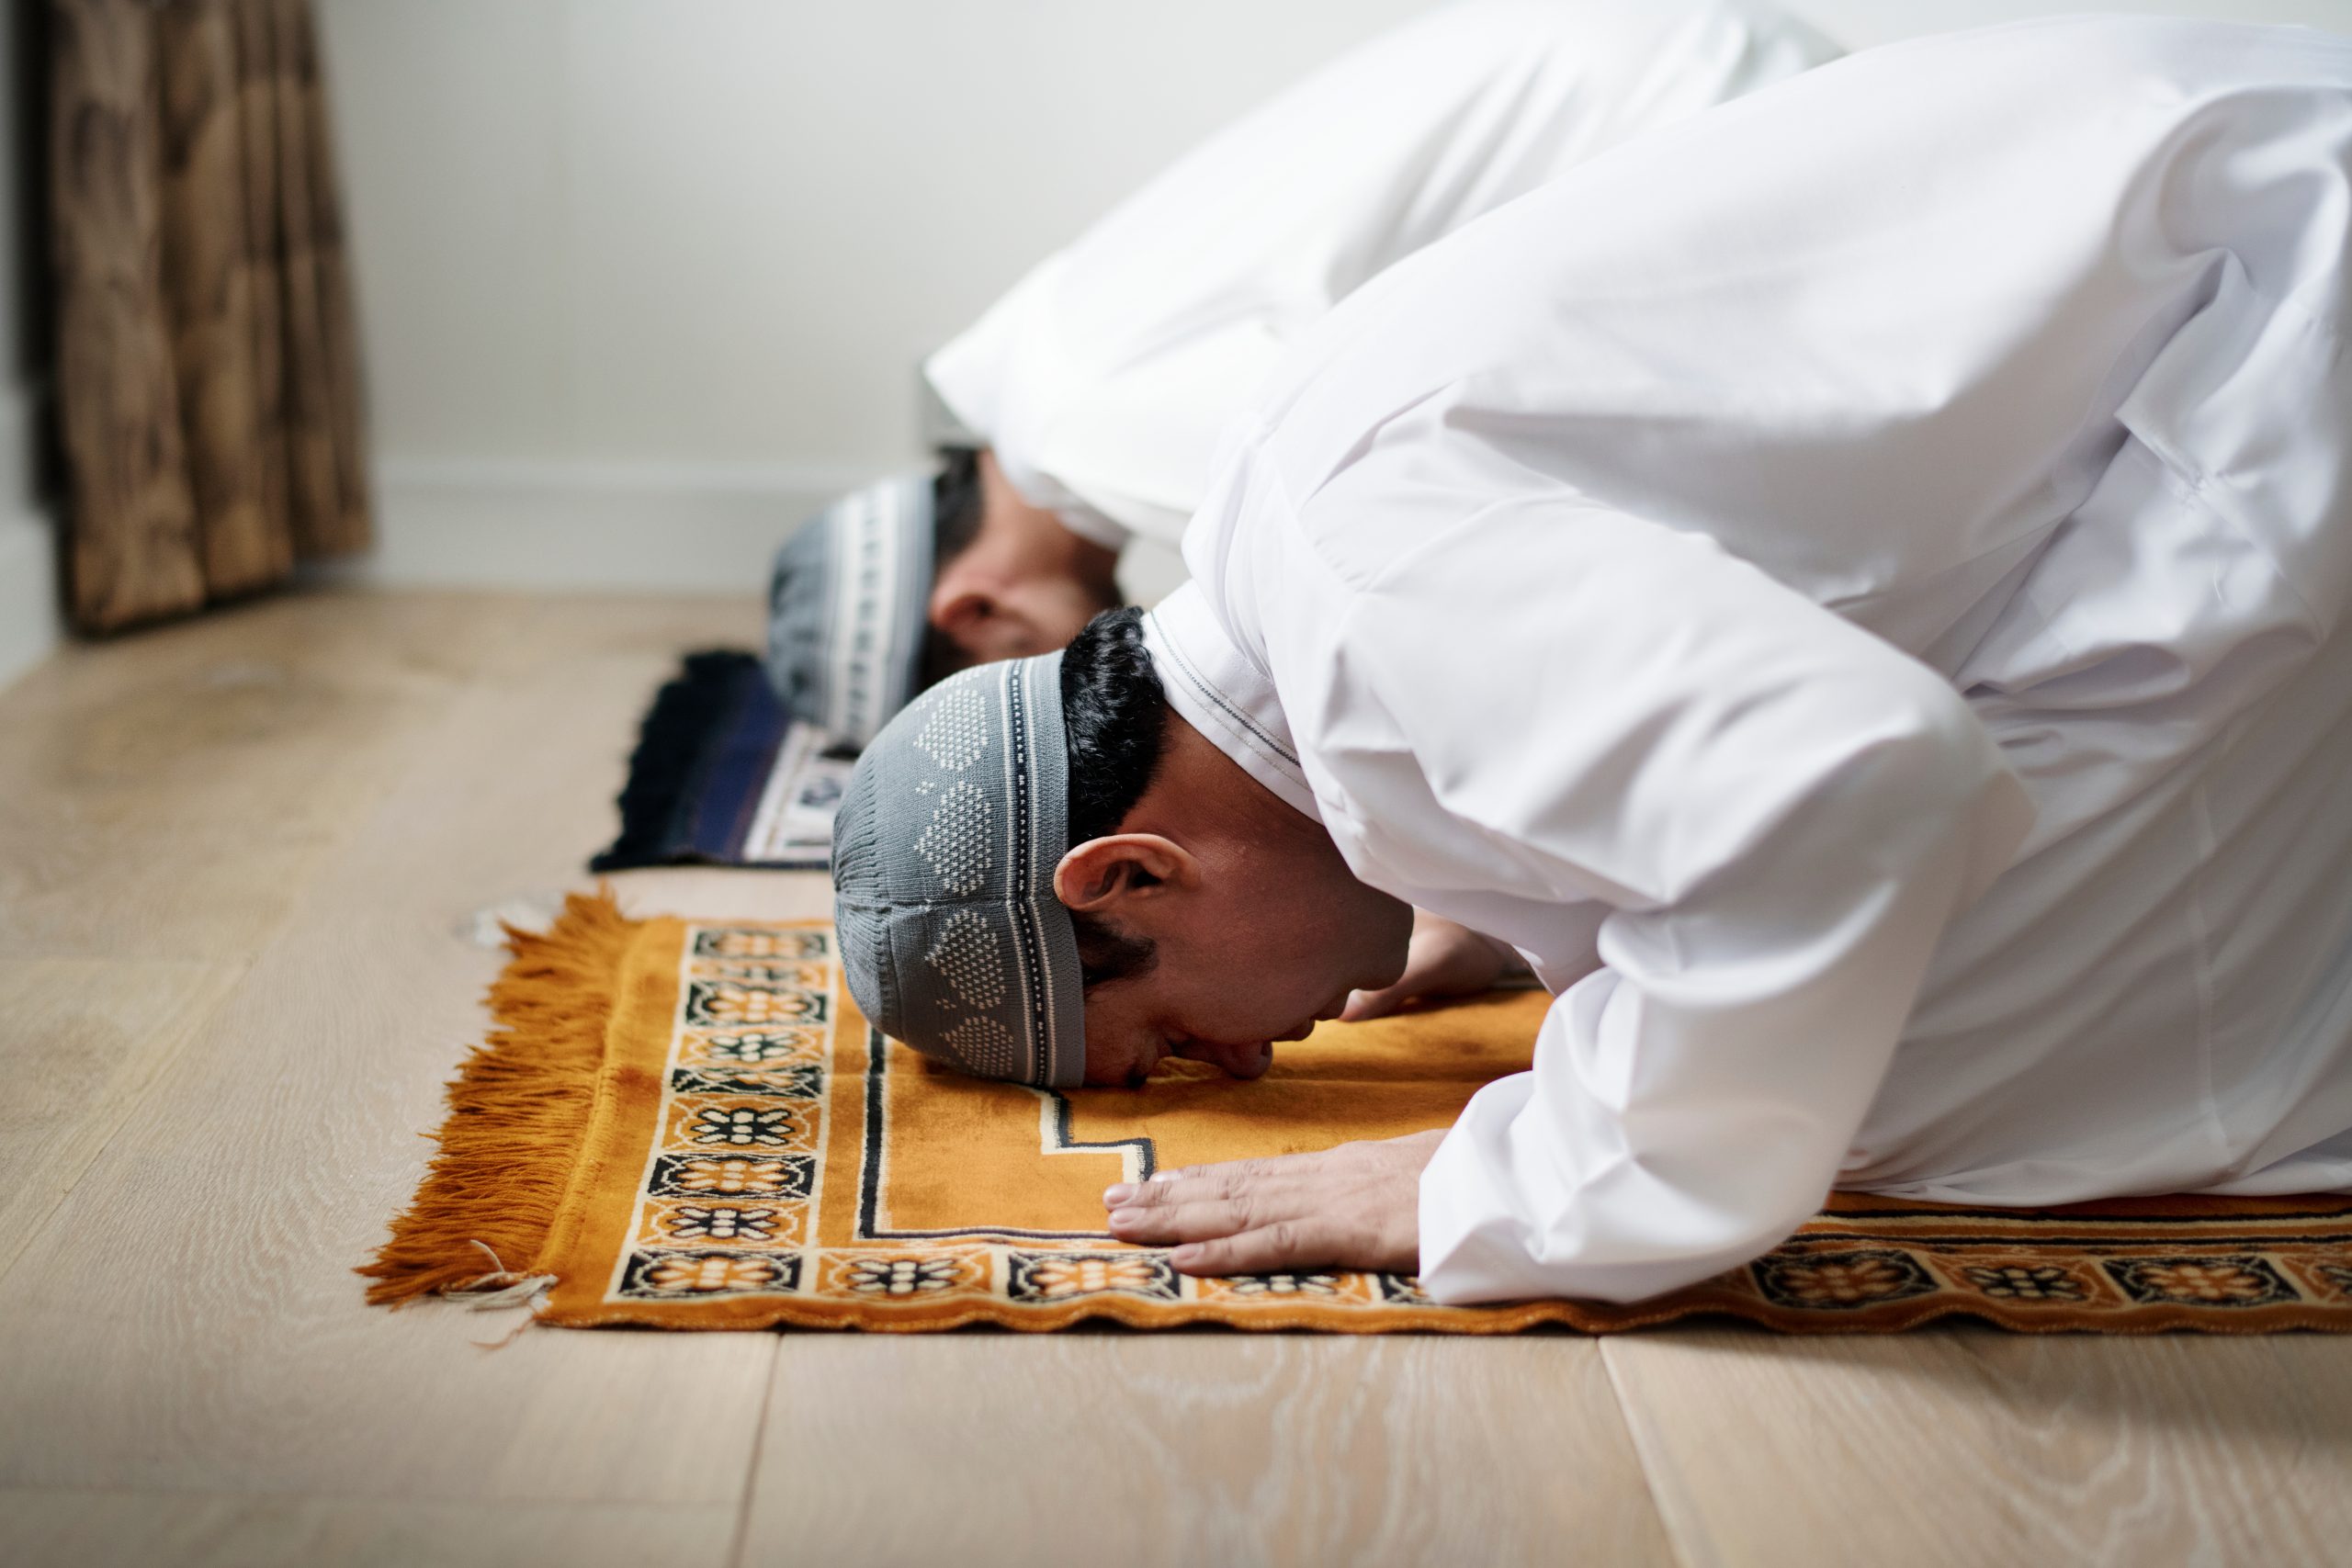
(518,1110)
(681,1124)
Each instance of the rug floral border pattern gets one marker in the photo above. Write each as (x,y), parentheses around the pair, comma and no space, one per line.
(719,1150)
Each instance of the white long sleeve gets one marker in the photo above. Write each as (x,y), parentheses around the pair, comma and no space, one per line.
(1781,811)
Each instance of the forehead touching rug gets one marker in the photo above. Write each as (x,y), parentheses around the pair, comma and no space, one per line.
(688,1126)
(722,775)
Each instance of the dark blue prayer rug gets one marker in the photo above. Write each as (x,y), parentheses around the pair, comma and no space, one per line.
(722,775)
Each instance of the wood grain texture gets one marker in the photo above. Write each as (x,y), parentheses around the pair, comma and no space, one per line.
(296,808)
(721,894)
(83,1039)
(135,554)
(338,311)
(1976,1449)
(170,795)
(209,361)
(200,1325)
(54,1529)
(208,283)
(1110,1446)
(257,66)
(308,250)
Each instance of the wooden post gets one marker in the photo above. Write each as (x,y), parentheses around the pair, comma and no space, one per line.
(208,282)
(135,552)
(257,125)
(315,487)
(338,318)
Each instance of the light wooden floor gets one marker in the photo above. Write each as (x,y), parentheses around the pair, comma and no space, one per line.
(238,860)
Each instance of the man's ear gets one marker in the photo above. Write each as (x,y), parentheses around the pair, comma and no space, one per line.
(1101,876)
(957,610)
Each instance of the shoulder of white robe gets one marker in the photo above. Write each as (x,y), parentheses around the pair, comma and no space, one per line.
(1216,689)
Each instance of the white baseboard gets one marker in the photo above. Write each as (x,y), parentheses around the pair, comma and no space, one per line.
(29,627)
(31,622)
(648,528)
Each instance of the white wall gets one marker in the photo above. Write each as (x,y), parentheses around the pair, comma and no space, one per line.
(643,282)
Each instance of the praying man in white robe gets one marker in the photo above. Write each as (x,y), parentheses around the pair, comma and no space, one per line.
(1100,381)
(1852,587)
(1092,392)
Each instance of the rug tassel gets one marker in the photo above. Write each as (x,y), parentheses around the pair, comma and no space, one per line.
(517,1112)
(501,1288)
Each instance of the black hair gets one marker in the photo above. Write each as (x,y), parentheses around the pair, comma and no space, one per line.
(955,523)
(954,504)
(1115,717)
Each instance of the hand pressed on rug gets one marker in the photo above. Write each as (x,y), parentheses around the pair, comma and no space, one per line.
(1356,1206)
(1443,959)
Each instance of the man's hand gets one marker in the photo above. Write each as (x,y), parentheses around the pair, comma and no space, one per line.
(1443,959)
(1357,1206)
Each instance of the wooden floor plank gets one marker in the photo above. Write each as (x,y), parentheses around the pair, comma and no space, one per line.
(197,1323)
(83,1039)
(1092,1447)
(266,835)
(168,794)
(80,1530)
(707,893)
(1970,1449)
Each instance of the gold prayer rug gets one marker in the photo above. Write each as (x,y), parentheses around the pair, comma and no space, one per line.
(689,1125)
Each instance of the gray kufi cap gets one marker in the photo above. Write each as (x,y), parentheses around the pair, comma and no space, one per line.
(944,856)
(846,607)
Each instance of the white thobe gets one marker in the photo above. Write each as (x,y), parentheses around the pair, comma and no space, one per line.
(1853,587)
(1101,381)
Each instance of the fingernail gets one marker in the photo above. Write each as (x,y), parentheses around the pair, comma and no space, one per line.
(1126,1216)
(1163,1176)
(1115,1196)
(1185,1256)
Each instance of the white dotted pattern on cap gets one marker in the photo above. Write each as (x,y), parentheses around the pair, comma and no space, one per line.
(983,1046)
(957,842)
(967,956)
(956,733)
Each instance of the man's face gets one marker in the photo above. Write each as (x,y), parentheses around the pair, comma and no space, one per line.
(1255,957)
(1025,585)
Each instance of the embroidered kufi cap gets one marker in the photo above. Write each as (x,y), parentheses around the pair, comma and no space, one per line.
(846,607)
(943,855)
